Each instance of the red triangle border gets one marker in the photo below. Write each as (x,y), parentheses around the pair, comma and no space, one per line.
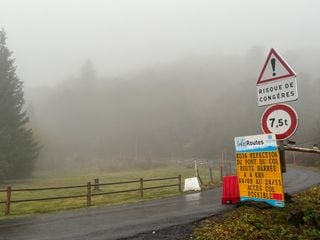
(284,64)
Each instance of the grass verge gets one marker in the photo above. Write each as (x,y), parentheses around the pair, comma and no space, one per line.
(297,220)
(27,208)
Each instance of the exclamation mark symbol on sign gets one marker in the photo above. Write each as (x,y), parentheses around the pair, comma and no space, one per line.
(273,65)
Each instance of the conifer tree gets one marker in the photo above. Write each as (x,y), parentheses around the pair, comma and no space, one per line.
(18,147)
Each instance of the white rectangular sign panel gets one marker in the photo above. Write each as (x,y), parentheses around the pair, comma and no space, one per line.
(256,143)
(277,92)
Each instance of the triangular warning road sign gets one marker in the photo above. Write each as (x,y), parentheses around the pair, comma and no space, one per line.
(275,68)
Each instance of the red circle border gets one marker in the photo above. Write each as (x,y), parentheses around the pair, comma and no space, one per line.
(292,113)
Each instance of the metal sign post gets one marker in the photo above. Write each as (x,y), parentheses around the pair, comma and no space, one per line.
(282,157)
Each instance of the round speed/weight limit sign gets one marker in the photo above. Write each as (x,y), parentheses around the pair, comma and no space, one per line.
(281,120)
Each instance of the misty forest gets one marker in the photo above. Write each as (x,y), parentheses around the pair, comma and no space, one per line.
(159,119)
(192,107)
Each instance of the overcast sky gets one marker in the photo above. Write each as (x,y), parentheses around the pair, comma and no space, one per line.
(51,39)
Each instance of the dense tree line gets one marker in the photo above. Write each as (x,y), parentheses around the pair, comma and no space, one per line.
(191,108)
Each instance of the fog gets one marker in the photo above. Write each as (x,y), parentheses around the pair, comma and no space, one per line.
(118,83)
(125,36)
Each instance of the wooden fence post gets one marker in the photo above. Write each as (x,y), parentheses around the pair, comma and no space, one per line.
(141,187)
(282,157)
(211,177)
(89,194)
(179,182)
(8,201)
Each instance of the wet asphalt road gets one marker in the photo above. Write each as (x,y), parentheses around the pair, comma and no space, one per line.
(129,220)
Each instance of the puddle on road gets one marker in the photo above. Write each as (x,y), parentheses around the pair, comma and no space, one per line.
(193,198)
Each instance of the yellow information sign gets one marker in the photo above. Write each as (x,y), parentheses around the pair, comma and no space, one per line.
(259,169)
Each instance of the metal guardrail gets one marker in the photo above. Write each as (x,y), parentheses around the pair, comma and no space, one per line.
(301,149)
